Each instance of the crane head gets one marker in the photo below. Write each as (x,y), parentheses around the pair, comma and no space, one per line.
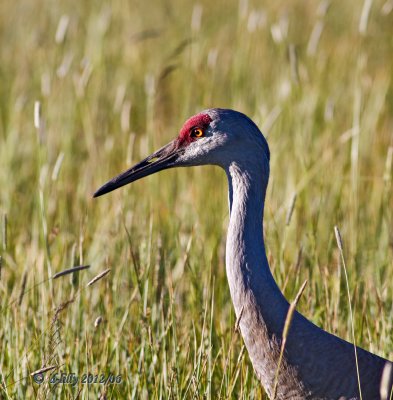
(214,136)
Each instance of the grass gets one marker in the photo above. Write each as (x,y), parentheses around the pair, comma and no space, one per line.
(88,88)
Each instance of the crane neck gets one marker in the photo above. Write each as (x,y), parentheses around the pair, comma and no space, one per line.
(252,286)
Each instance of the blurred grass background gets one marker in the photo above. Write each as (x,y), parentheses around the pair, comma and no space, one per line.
(113,80)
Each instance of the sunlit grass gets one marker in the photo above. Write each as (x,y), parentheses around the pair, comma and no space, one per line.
(114,81)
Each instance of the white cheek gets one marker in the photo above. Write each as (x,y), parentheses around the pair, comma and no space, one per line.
(203,150)
(194,152)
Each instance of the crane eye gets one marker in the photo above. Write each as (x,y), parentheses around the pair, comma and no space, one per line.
(197,132)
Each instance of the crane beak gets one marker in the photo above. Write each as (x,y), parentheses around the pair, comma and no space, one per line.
(164,158)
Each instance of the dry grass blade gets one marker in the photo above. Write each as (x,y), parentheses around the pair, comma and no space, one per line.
(340,247)
(99,276)
(385,383)
(290,210)
(70,271)
(43,370)
(4,233)
(98,321)
(237,324)
(287,325)
(62,29)
(37,115)
(23,287)
(365,16)
(62,307)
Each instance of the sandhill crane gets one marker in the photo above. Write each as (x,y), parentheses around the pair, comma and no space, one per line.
(316,364)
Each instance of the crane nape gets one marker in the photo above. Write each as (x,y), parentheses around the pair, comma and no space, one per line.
(315,364)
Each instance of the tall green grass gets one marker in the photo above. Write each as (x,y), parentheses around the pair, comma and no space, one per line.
(112,81)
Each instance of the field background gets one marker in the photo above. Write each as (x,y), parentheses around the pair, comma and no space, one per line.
(115,80)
